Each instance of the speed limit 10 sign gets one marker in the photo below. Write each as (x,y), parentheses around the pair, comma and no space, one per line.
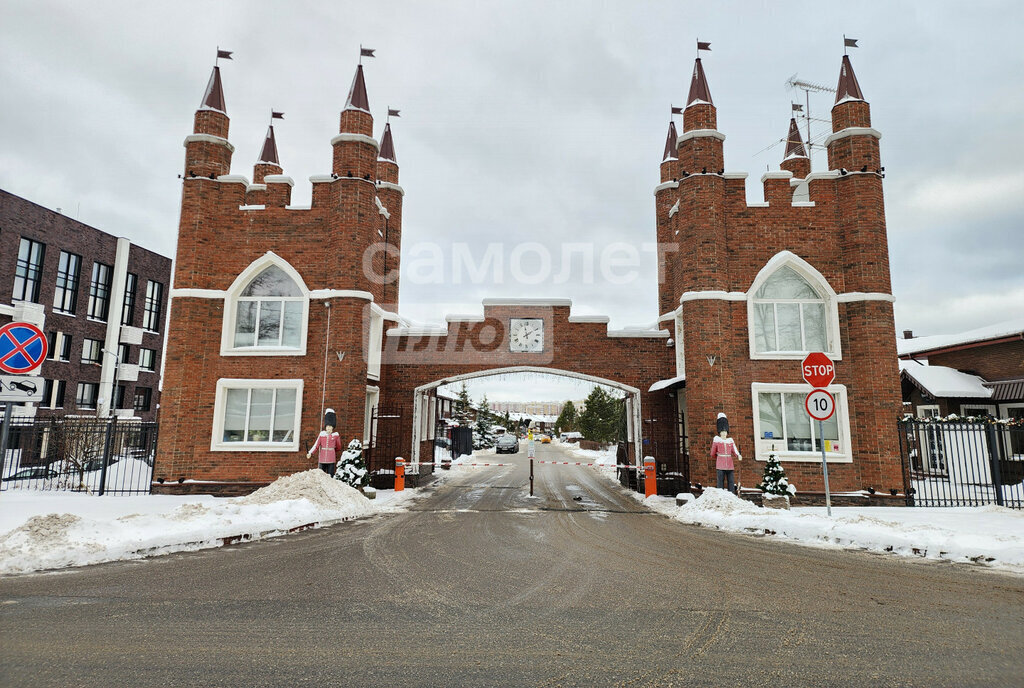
(820,404)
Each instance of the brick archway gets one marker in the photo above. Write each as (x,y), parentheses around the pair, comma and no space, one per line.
(633,396)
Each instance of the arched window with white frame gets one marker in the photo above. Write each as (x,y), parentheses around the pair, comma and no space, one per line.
(792,311)
(266,311)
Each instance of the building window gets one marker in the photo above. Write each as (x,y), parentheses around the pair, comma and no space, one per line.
(87,394)
(119,394)
(789,315)
(27,270)
(124,351)
(65,298)
(147,359)
(128,312)
(64,348)
(53,394)
(92,351)
(270,312)
(782,425)
(257,415)
(99,291)
(143,395)
(153,305)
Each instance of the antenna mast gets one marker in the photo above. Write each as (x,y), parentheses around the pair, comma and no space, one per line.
(807,86)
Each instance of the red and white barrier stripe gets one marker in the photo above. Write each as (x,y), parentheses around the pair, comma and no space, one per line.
(454,465)
(580,463)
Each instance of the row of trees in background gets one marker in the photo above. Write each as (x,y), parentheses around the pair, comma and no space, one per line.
(603,418)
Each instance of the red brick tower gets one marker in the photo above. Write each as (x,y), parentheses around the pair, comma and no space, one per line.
(853,150)
(390,195)
(796,159)
(665,200)
(272,315)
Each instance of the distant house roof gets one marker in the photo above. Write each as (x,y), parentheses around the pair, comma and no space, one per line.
(921,345)
(943,382)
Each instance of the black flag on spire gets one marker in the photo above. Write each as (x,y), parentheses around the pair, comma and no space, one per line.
(276,115)
(703,46)
(224,54)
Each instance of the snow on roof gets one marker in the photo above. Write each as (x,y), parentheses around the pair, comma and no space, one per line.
(671,382)
(941,382)
(1007,328)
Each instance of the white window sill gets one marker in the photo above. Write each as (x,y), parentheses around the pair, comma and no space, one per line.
(789,355)
(63,313)
(256,446)
(264,351)
(808,457)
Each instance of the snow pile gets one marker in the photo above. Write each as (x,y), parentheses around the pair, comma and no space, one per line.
(991,535)
(101,530)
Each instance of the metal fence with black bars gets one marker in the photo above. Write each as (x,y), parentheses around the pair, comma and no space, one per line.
(94,455)
(962,462)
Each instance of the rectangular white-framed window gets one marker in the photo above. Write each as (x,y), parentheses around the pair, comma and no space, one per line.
(967,410)
(374,343)
(372,397)
(257,415)
(783,427)
(1014,440)
(147,359)
(92,351)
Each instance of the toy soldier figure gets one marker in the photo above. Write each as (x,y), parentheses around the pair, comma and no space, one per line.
(723,449)
(328,443)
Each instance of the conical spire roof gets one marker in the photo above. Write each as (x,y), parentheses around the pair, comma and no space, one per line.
(670,143)
(699,91)
(848,88)
(794,144)
(213,98)
(269,152)
(387,145)
(357,99)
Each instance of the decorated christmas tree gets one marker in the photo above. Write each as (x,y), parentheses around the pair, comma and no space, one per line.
(352,467)
(774,481)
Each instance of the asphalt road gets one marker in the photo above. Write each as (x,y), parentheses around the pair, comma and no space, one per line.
(480,585)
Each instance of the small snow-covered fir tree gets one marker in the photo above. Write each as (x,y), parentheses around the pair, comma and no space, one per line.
(483,431)
(352,466)
(774,481)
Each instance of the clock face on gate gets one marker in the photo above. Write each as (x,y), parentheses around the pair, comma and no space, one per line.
(526,335)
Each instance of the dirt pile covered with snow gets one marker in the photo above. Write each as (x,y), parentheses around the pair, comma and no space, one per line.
(99,532)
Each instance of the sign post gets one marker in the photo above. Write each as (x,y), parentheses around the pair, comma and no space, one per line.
(22,349)
(819,371)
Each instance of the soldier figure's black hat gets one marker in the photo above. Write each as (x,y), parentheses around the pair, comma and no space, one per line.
(722,423)
(330,418)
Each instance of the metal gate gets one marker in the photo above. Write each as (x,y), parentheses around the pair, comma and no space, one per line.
(384,446)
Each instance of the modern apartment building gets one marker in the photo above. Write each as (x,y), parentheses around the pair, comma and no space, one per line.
(102,303)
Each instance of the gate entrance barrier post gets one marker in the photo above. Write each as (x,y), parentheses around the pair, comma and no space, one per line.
(650,481)
(399,474)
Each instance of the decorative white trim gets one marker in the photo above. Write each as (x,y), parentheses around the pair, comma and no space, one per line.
(818,283)
(759,204)
(279,179)
(776,174)
(321,179)
(216,440)
(639,334)
(853,131)
(527,302)
(803,204)
(197,293)
(227,340)
(596,319)
(762,447)
(666,185)
(252,207)
(671,315)
(734,175)
(386,315)
(713,294)
(418,331)
(340,294)
(255,187)
(298,207)
(209,138)
(674,209)
(700,134)
(815,176)
(390,186)
(852,296)
(459,317)
(381,209)
(358,138)
(234,179)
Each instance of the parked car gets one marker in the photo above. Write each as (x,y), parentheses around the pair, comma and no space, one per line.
(570,437)
(545,439)
(32,473)
(507,444)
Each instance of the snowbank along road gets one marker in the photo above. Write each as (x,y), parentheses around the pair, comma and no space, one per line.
(480,585)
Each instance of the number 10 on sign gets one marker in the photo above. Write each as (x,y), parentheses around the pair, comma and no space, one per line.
(820,406)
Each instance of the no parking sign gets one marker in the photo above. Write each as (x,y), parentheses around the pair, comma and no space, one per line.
(23,348)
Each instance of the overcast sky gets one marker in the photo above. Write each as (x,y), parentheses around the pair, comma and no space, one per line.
(534,122)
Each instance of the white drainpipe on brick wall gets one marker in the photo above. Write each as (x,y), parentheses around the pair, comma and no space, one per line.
(113,338)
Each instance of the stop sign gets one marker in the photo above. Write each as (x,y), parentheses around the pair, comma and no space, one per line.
(818,370)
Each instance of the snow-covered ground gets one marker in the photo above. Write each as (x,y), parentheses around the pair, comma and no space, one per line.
(47,530)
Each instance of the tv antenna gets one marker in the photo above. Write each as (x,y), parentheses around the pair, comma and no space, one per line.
(807,86)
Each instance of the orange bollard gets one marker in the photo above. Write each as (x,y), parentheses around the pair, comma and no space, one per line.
(399,474)
(650,481)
